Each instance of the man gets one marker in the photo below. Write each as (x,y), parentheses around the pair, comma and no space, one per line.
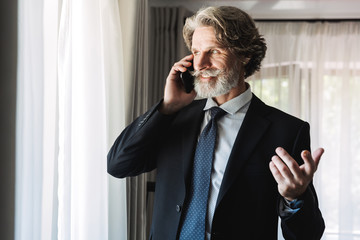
(222,180)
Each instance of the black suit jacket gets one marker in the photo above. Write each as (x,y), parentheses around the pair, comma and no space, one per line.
(248,201)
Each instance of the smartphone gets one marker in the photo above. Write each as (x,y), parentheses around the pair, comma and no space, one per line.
(188,79)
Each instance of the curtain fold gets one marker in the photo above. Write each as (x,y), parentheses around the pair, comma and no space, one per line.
(166,46)
(113,64)
(312,70)
(70,103)
(82,125)
(136,186)
(50,127)
(29,123)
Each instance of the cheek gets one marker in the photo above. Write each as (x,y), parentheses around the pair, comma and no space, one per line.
(221,64)
(225,62)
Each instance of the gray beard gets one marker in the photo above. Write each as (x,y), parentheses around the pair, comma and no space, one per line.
(223,83)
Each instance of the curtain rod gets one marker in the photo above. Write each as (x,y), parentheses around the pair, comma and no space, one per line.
(309,20)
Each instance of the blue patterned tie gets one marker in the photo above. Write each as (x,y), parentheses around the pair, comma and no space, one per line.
(195,210)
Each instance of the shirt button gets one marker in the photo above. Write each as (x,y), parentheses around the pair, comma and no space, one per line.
(178,208)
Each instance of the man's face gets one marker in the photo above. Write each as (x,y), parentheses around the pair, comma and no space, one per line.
(217,70)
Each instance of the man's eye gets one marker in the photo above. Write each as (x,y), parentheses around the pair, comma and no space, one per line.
(196,53)
(214,51)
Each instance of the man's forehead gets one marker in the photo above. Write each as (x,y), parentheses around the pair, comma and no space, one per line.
(205,38)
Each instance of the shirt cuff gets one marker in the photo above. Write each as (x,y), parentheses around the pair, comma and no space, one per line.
(288,208)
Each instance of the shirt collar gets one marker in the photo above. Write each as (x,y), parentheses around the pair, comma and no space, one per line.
(233,105)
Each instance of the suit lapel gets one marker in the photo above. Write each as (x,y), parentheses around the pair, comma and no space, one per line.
(250,133)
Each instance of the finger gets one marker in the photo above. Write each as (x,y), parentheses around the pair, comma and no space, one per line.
(180,67)
(187,64)
(317,156)
(276,173)
(189,57)
(289,161)
(282,167)
(311,162)
(186,61)
(309,166)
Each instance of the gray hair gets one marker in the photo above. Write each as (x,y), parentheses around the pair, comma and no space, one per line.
(234,29)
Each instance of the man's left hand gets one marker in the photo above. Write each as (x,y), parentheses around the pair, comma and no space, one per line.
(293,179)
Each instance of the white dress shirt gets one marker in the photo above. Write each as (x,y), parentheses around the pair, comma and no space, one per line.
(228,128)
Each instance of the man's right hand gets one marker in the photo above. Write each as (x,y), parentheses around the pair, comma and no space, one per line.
(175,97)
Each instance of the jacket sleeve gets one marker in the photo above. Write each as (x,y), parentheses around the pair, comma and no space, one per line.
(134,151)
(307,223)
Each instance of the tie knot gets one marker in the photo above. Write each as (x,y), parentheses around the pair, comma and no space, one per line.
(216,112)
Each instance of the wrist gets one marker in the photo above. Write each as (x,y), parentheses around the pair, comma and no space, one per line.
(167,109)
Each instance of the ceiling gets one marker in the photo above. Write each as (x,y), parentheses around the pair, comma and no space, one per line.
(279,9)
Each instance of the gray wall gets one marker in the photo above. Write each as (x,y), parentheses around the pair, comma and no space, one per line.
(8,58)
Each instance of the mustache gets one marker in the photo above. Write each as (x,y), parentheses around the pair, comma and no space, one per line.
(206,73)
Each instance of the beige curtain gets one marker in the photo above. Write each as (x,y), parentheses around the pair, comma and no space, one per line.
(166,46)
(136,186)
(159,44)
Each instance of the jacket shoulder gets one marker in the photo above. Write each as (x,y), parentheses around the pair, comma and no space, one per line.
(272,113)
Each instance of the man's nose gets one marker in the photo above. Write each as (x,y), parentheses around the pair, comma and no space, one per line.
(202,62)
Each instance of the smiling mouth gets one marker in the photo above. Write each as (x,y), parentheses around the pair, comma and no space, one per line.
(207,75)
(206,78)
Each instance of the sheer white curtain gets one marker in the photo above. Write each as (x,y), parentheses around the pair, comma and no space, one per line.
(69,76)
(312,70)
